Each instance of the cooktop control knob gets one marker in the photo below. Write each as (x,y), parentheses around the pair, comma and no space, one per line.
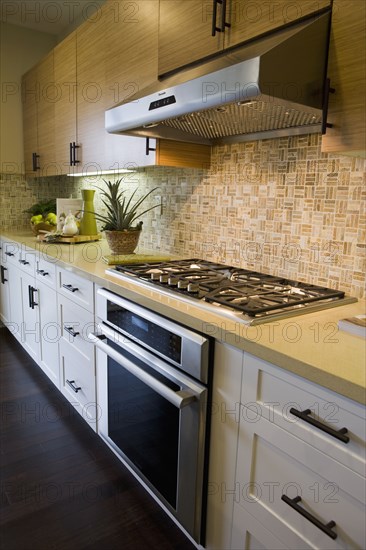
(182,284)
(172,281)
(193,288)
(164,278)
(154,276)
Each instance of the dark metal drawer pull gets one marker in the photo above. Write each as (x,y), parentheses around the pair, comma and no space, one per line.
(72,386)
(3,269)
(327,529)
(42,272)
(24,262)
(70,288)
(9,254)
(304,415)
(71,331)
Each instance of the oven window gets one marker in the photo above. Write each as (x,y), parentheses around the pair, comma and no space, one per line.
(146,332)
(145,427)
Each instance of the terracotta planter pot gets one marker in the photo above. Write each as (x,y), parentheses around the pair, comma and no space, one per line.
(123,242)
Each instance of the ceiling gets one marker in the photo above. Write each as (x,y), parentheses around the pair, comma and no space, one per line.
(56,17)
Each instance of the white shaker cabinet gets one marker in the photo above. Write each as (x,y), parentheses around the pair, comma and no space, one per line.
(301,477)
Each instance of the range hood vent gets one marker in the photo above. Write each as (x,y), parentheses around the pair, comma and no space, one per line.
(271,87)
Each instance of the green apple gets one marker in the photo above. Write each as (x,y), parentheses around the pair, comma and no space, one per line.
(51,218)
(36,219)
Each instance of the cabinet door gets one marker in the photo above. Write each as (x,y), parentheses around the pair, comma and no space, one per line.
(30,96)
(250,19)
(130,66)
(185,33)
(46,116)
(11,298)
(30,327)
(65,106)
(347,73)
(91,58)
(50,332)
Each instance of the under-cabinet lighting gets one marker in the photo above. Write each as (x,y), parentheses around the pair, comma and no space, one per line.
(102,172)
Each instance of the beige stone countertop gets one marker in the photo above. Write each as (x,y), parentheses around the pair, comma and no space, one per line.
(310,345)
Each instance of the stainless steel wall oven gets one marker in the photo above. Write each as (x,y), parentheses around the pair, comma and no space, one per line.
(154,391)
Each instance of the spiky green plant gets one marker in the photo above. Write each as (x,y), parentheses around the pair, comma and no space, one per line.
(121,212)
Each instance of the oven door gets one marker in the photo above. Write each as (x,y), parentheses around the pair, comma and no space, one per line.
(154,418)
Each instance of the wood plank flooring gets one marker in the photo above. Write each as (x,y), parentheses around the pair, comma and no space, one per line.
(61,487)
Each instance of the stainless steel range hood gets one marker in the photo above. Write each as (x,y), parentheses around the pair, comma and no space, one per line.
(271,87)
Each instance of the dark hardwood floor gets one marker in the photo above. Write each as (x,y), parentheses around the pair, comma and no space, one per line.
(61,487)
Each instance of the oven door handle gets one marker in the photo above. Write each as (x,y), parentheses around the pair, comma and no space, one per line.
(179,399)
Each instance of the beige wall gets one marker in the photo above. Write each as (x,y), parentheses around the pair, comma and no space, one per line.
(21,48)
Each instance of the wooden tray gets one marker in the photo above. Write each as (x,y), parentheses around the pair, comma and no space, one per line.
(72,240)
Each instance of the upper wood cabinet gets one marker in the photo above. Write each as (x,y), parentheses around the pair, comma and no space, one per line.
(187,29)
(65,107)
(39,96)
(347,73)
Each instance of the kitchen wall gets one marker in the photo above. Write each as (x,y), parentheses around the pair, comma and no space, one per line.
(278,206)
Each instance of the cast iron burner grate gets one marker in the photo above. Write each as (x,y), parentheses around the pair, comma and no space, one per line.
(249,292)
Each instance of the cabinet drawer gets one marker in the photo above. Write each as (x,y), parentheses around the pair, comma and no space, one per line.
(46,272)
(276,395)
(272,463)
(10,252)
(75,324)
(78,381)
(76,288)
(249,534)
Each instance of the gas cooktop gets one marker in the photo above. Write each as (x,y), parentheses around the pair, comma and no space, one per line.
(245,295)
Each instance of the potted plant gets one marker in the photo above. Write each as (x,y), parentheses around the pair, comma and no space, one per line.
(121,228)
(43,216)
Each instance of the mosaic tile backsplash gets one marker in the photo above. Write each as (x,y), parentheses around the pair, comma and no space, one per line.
(279,206)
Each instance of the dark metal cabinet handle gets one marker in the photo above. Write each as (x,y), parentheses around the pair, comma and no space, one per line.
(70,153)
(304,415)
(35,166)
(23,262)
(73,386)
(42,272)
(223,17)
(327,90)
(327,528)
(74,147)
(224,24)
(3,269)
(31,291)
(70,288)
(148,148)
(71,331)
(9,254)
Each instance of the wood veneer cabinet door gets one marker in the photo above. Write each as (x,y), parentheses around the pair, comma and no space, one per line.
(347,73)
(65,106)
(185,33)
(92,54)
(185,28)
(30,94)
(250,19)
(131,64)
(46,116)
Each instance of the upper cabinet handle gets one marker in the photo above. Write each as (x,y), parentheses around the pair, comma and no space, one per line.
(223,16)
(215,28)
(35,158)
(327,90)
(74,147)
(304,415)
(214,18)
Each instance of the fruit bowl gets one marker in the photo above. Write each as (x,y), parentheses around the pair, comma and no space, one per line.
(42,227)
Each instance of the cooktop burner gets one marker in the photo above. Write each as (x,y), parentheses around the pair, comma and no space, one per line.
(255,297)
